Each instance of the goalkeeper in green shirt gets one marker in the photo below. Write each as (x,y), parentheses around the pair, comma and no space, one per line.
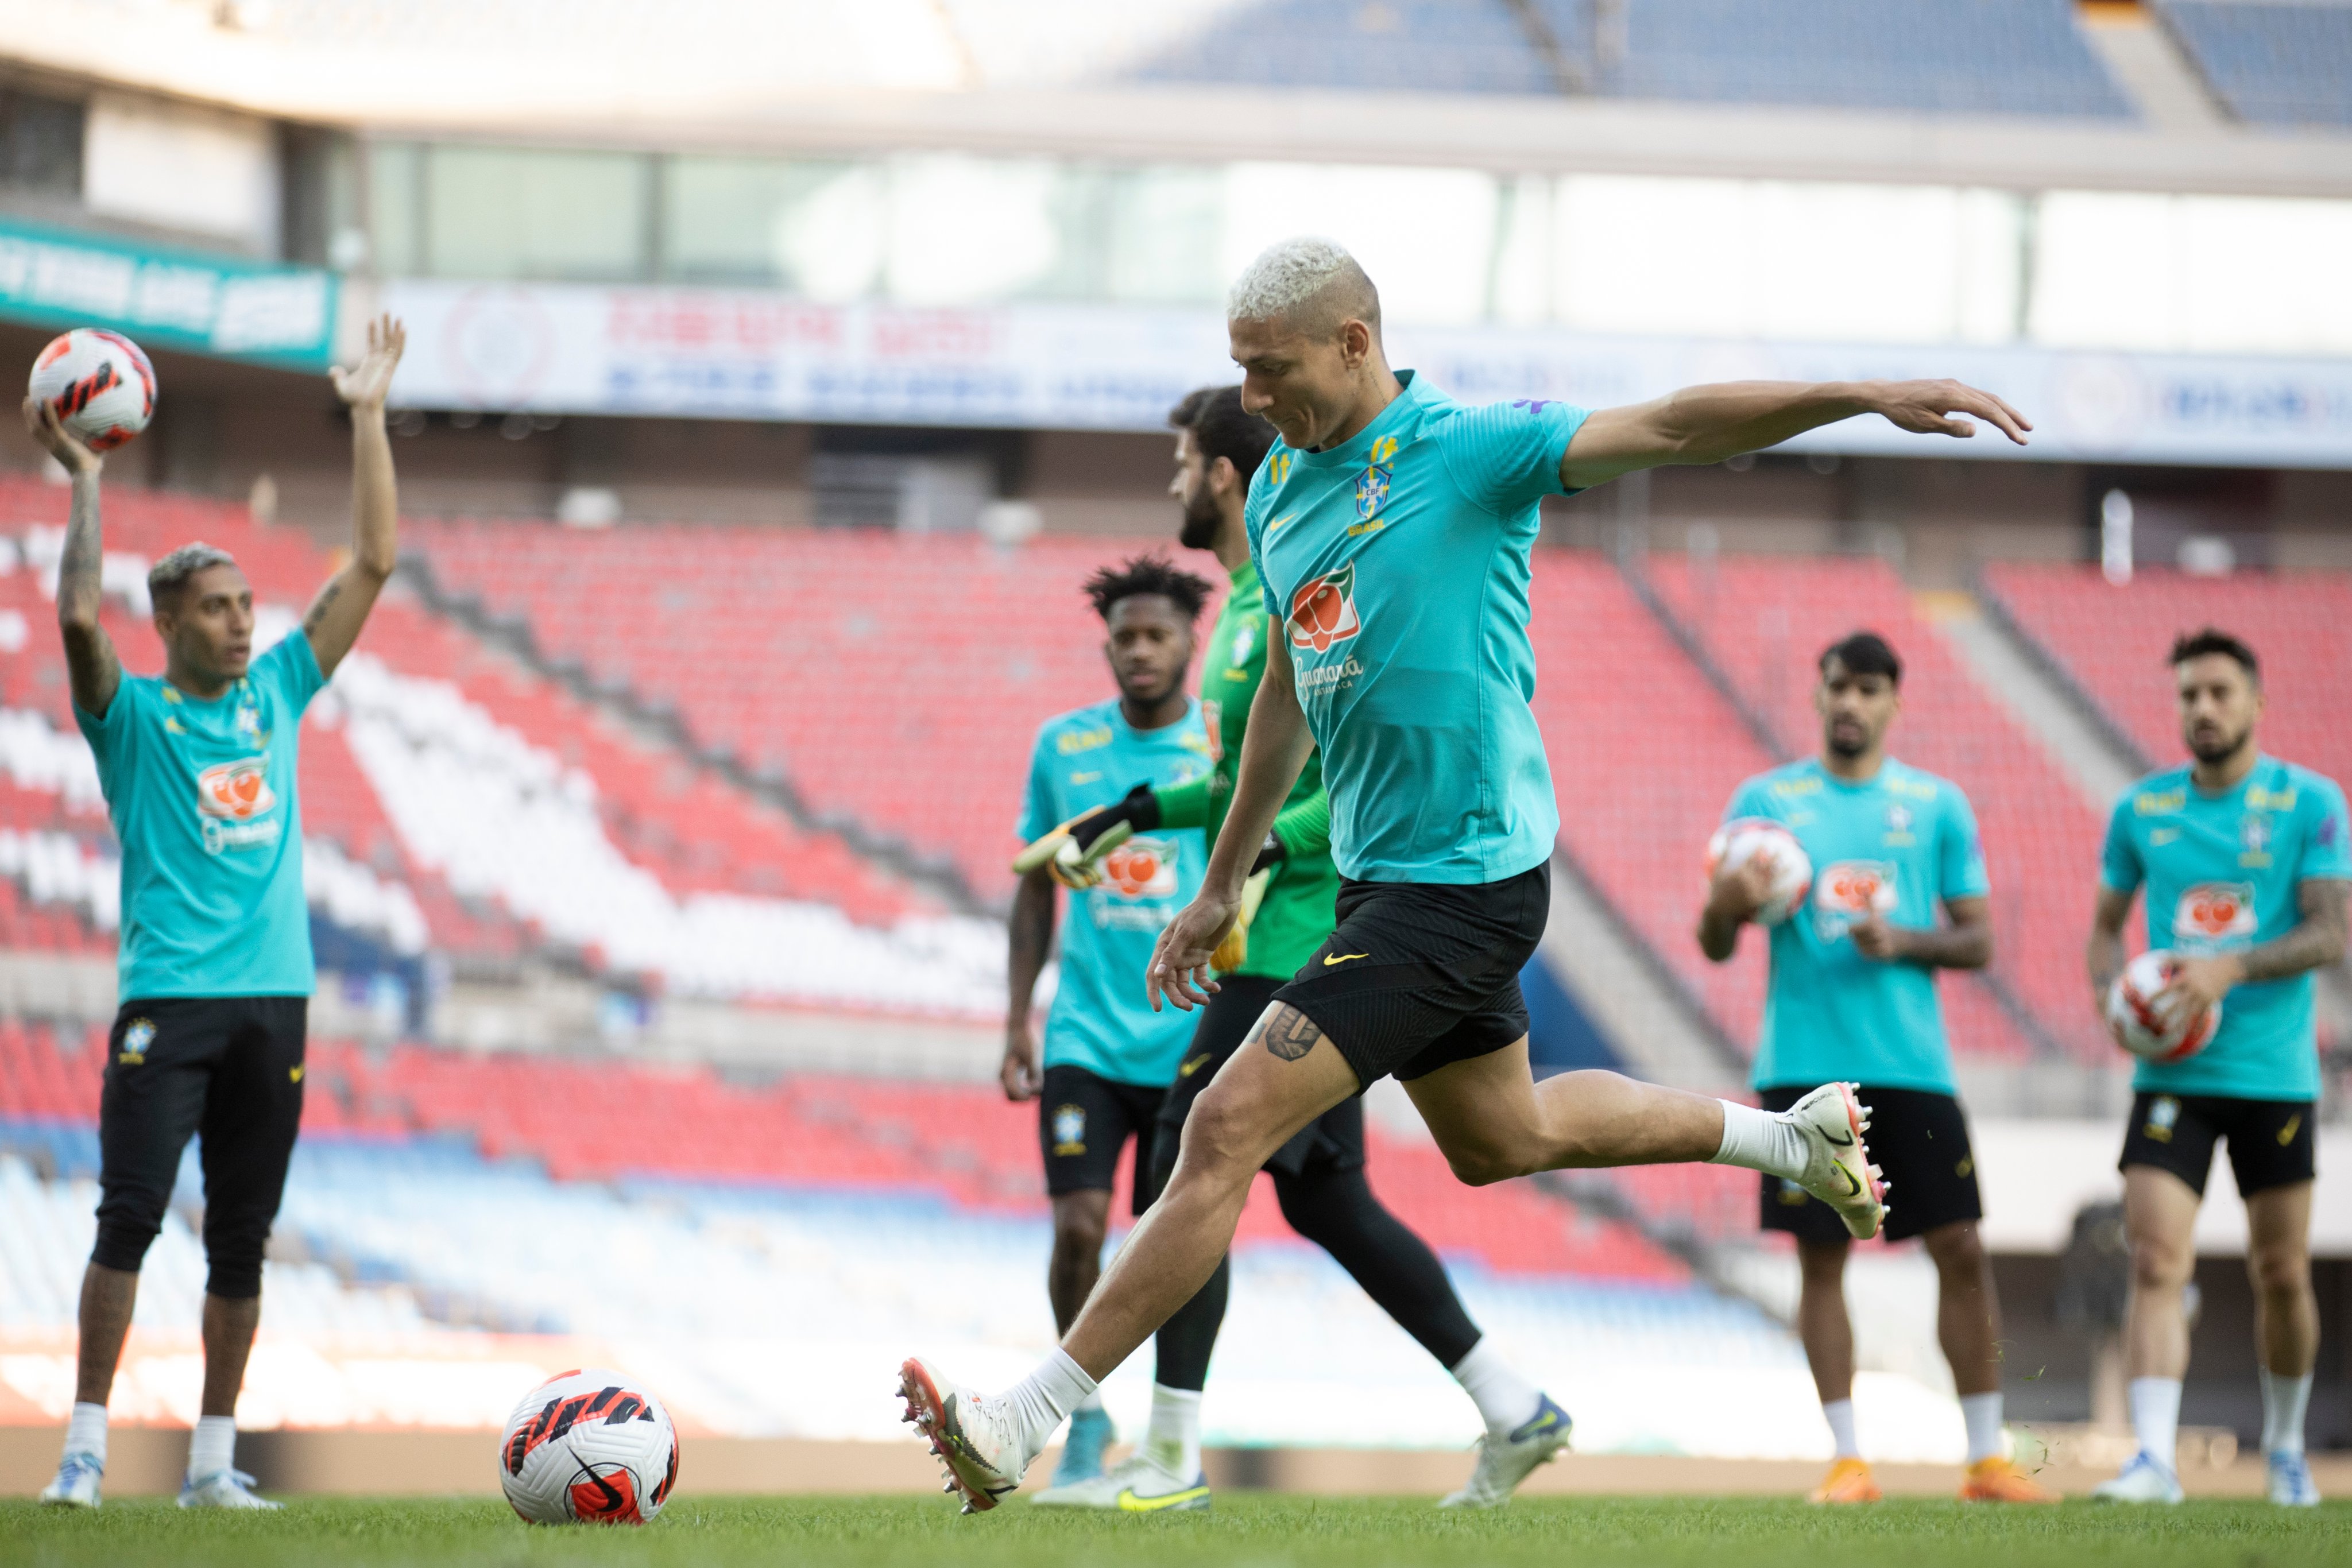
(1289,910)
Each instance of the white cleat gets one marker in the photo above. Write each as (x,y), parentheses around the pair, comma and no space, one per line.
(2291,1483)
(973,1436)
(1507,1460)
(1137,1484)
(223,1488)
(76,1484)
(1839,1171)
(2142,1480)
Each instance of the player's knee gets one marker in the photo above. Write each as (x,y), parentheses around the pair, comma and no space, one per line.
(2278,1271)
(1483,1162)
(233,1254)
(125,1230)
(1957,1248)
(1079,1232)
(1220,1138)
(2160,1263)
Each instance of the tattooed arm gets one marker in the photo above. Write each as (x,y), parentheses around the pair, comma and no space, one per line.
(2316,939)
(91,665)
(341,608)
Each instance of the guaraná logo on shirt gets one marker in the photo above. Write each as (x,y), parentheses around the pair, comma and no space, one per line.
(1323,611)
(238,791)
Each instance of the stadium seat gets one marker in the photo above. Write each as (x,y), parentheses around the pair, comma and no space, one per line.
(2286,63)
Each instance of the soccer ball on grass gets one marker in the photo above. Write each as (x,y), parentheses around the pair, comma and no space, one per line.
(588,1446)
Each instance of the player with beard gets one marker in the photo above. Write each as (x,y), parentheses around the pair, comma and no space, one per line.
(1853,996)
(1319,1175)
(1109,1058)
(2246,866)
(1393,530)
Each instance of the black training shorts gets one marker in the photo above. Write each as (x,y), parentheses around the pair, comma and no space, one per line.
(2270,1140)
(1084,1120)
(1418,976)
(229,1068)
(1918,1138)
(1333,1141)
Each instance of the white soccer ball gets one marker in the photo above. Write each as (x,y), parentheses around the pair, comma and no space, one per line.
(588,1447)
(1742,839)
(2157,1033)
(101,384)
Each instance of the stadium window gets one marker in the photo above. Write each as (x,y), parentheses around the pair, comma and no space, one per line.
(1160,236)
(41,143)
(732,220)
(966,230)
(394,184)
(534,213)
(1433,269)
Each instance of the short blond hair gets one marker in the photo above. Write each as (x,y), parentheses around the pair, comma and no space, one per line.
(1314,284)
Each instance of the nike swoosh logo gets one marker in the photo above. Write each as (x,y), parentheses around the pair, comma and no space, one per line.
(1130,1503)
(1343,958)
(1548,1417)
(1841,1141)
(1279,522)
(1190,1068)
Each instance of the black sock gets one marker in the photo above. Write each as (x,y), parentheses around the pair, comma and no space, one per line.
(1337,1211)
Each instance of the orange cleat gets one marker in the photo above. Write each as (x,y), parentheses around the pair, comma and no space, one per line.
(1849,1480)
(1996,1479)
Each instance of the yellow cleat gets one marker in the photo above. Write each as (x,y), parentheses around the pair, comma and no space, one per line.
(1996,1479)
(1849,1480)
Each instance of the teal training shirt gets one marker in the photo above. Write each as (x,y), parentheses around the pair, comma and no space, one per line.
(1100,1020)
(2222,873)
(1905,844)
(203,796)
(1396,563)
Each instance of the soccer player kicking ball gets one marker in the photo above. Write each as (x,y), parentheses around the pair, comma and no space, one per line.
(2246,867)
(1852,995)
(1109,1056)
(198,769)
(1319,1175)
(1391,528)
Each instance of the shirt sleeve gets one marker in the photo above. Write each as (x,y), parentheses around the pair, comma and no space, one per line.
(1505,456)
(1253,529)
(2120,864)
(1037,802)
(291,669)
(114,736)
(2326,854)
(1748,801)
(1304,829)
(1959,851)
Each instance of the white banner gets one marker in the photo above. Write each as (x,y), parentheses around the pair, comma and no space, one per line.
(747,354)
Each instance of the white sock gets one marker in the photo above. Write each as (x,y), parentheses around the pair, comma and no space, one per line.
(212,1447)
(1839,1414)
(1760,1141)
(1982,1413)
(1044,1397)
(2156,1418)
(1172,1441)
(2284,1400)
(1505,1400)
(1091,1402)
(86,1429)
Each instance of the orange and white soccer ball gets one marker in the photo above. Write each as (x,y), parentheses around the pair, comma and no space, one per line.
(2152,1031)
(589,1447)
(1741,840)
(101,384)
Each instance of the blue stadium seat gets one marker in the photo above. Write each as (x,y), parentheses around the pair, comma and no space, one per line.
(2271,64)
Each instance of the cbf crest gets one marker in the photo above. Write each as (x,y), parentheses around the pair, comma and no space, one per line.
(1069,1129)
(1380,473)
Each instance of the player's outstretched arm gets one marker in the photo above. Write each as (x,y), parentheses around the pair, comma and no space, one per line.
(92,668)
(1708,423)
(341,608)
(2317,938)
(1276,748)
(1031,931)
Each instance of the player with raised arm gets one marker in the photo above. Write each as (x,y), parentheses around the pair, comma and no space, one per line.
(198,767)
(1391,528)
(2246,866)
(1319,1176)
(1852,995)
(1109,1057)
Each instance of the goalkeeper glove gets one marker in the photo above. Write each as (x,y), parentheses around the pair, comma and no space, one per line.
(1073,853)
(1234,951)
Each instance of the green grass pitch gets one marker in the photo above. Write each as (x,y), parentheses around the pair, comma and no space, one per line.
(1259,1529)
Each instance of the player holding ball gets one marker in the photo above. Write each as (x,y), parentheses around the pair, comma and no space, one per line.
(1853,996)
(2246,868)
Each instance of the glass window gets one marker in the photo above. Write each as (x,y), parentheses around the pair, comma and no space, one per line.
(395,179)
(966,230)
(498,213)
(728,220)
(1161,239)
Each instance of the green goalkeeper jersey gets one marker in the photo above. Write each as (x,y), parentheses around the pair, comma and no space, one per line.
(1298,911)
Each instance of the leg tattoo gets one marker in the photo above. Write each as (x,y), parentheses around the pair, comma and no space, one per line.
(1288,1032)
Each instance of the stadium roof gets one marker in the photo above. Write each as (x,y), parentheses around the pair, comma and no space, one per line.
(1187,80)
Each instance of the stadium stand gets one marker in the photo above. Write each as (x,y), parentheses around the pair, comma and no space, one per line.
(2272,64)
(2007,56)
(1764,620)
(2111,643)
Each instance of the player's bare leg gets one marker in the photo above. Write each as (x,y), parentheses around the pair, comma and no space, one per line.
(107,1298)
(1968,1326)
(2159,1219)
(2286,1332)
(1495,1122)
(1826,1330)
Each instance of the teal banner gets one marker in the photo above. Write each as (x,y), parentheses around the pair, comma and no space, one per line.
(167,298)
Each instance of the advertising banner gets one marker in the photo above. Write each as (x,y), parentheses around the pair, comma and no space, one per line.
(167,298)
(746,354)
